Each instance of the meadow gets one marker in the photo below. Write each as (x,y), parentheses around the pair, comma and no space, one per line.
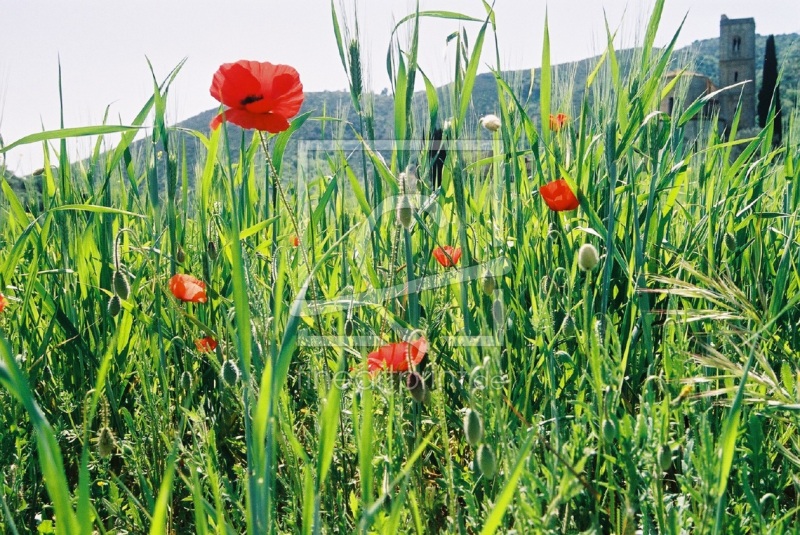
(573,320)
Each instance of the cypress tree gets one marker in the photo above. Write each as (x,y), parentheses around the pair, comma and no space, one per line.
(770,88)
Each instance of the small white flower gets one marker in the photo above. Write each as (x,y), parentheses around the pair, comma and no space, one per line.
(490,122)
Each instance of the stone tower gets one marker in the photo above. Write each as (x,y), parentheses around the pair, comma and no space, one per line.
(737,63)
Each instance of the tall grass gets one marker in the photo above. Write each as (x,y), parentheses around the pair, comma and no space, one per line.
(658,392)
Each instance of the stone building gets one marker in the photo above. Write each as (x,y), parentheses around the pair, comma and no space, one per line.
(737,63)
(691,87)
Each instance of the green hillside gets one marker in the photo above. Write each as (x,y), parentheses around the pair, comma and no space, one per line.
(334,118)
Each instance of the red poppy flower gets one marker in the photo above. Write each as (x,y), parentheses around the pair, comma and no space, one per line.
(187,288)
(205,345)
(396,357)
(557,122)
(3,302)
(295,241)
(259,95)
(558,196)
(447,256)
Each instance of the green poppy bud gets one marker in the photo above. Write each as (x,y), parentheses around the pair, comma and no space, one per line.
(186,381)
(609,430)
(730,241)
(180,255)
(106,443)
(664,457)
(488,284)
(405,212)
(416,386)
(473,427)
(568,326)
(121,286)
(588,258)
(211,249)
(230,373)
(114,306)
(487,462)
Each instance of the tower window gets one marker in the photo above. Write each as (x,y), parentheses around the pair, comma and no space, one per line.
(736,76)
(737,44)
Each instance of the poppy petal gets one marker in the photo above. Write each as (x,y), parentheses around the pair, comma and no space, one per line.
(268,122)
(205,345)
(234,83)
(3,302)
(187,288)
(447,256)
(395,357)
(558,196)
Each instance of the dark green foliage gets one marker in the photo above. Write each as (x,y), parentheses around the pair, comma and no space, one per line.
(770,88)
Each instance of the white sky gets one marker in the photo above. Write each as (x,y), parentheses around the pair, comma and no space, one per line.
(103,44)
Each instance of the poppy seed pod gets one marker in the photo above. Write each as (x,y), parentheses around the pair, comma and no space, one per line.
(121,285)
(114,306)
(230,373)
(405,212)
(588,258)
(490,122)
(473,427)
(487,462)
(416,386)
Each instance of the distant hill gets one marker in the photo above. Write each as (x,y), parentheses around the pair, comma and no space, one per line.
(569,78)
(330,109)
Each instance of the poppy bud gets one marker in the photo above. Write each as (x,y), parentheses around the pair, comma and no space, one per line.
(487,462)
(588,257)
(186,381)
(114,306)
(405,212)
(106,443)
(568,326)
(498,313)
(180,255)
(490,122)
(600,329)
(121,286)
(212,251)
(230,373)
(609,430)
(730,241)
(416,386)
(664,457)
(488,283)
(473,427)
